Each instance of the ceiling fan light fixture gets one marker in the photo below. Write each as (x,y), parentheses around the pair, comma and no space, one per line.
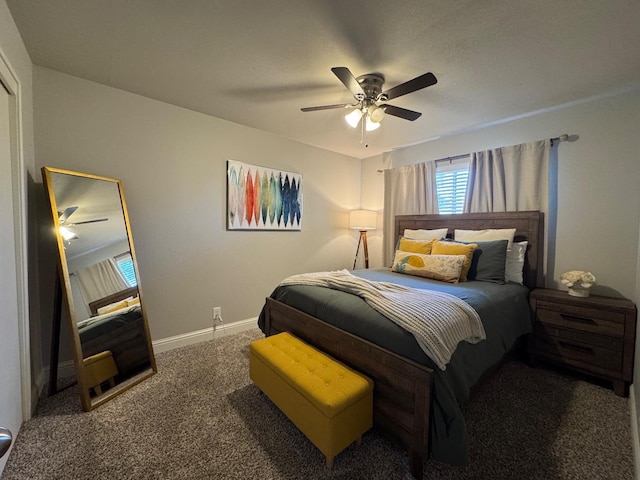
(353,117)
(67,234)
(370,125)
(376,114)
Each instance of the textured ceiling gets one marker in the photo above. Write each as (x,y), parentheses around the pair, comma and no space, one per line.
(256,62)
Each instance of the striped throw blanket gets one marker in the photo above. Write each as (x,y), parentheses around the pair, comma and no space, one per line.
(438,321)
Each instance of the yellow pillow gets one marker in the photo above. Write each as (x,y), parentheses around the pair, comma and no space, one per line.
(112,307)
(415,246)
(135,301)
(445,268)
(452,248)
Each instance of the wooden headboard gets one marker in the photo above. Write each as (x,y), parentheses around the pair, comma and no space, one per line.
(114,297)
(529,226)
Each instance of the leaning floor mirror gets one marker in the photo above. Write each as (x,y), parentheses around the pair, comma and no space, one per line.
(100,285)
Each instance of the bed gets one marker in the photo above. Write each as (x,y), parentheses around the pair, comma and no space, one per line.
(122,331)
(414,401)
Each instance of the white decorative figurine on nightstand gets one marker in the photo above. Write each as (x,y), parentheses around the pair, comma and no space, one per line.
(579,282)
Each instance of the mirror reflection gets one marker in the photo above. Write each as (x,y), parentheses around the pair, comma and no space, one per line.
(101,284)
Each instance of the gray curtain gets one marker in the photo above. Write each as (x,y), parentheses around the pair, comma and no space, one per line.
(514,178)
(101,279)
(409,189)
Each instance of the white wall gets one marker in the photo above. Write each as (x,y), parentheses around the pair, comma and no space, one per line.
(172,162)
(17,65)
(598,182)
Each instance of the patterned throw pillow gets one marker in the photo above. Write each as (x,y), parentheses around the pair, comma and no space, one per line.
(445,268)
(453,248)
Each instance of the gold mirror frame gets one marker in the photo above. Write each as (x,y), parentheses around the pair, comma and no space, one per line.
(91,397)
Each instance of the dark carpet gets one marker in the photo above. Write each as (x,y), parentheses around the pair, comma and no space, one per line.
(201,417)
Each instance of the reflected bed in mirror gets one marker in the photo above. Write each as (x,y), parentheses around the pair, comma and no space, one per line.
(100,283)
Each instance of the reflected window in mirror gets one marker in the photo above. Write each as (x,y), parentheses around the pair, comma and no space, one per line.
(125,265)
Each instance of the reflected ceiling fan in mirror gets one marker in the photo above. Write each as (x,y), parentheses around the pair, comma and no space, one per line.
(63,218)
(370,109)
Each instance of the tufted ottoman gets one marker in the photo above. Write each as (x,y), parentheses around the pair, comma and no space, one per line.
(330,403)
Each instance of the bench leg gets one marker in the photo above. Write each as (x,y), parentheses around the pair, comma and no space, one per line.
(329,463)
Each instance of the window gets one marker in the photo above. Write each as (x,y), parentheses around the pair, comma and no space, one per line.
(451,184)
(125,265)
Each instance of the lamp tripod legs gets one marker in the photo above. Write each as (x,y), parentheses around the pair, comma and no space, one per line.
(363,240)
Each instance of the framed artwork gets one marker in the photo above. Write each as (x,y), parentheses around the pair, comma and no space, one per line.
(260,198)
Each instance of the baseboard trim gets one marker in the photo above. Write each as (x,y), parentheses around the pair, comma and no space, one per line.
(204,335)
(68,368)
(65,369)
(635,435)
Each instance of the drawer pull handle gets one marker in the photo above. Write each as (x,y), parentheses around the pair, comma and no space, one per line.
(575,318)
(577,348)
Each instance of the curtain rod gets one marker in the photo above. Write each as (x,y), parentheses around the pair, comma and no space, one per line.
(561,138)
(444,159)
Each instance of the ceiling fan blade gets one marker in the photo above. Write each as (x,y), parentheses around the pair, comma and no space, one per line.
(325,107)
(349,81)
(66,214)
(400,112)
(89,221)
(417,83)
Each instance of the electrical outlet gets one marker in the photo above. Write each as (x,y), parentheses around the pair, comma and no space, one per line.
(217,316)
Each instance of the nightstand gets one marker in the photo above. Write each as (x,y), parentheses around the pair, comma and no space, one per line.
(594,335)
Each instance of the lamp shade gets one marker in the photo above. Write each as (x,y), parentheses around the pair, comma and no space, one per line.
(371,126)
(363,219)
(353,118)
(376,114)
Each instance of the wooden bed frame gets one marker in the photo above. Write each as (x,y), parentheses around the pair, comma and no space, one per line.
(127,342)
(114,297)
(402,394)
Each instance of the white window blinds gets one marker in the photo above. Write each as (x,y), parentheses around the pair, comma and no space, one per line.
(125,265)
(451,184)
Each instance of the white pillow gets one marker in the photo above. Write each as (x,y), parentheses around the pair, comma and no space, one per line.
(486,235)
(515,263)
(436,234)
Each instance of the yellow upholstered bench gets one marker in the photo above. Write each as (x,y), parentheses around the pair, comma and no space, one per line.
(99,368)
(330,403)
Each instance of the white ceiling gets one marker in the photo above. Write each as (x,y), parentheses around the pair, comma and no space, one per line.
(256,62)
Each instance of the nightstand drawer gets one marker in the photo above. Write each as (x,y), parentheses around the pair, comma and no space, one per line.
(571,351)
(583,319)
(572,335)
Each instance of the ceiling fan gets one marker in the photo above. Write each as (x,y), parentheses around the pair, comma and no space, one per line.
(367,90)
(67,234)
(64,216)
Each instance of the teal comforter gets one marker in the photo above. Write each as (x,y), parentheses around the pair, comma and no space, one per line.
(505,314)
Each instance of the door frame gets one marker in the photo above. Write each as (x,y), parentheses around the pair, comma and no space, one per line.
(19,180)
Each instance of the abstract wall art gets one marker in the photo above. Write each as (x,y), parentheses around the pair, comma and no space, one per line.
(260,198)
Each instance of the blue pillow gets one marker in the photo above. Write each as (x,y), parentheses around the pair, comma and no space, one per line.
(488,262)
